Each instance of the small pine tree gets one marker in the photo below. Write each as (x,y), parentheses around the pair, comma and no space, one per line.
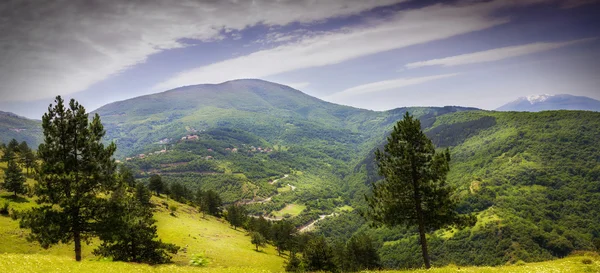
(127,176)
(293,264)
(14,181)
(318,256)
(361,253)
(156,184)
(143,195)
(128,232)
(236,215)
(283,233)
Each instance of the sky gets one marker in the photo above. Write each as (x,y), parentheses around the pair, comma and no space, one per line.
(372,54)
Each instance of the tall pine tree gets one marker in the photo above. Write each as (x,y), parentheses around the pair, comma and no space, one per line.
(76,167)
(414,190)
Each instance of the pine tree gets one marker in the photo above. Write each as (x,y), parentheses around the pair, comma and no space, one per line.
(414,190)
(14,181)
(156,184)
(127,176)
(236,215)
(76,167)
(143,195)
(283,233)
(128,231)
(11,150)
(318,256)
(361,253)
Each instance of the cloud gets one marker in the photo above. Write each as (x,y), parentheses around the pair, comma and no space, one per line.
(384,85)
(297,85)
(406,28)
(495,54)
(61,47)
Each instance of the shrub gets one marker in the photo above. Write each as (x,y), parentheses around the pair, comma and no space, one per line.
(4,208)
(520,263)
(198,260)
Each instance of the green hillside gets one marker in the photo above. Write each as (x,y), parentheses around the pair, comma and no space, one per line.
(20,128)
(532,179)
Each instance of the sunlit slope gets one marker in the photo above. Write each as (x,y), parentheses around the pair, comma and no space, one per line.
(21,263)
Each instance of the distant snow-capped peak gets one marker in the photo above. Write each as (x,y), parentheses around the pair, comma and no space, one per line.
(538,98)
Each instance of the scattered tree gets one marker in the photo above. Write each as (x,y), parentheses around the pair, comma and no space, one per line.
(127,176)
(318,256)
(143,195)
(283,233)
(361,253)
(156,184)
(257,239)
(76,167)
(209,202)
(14,181)
(414,190)
(236,215)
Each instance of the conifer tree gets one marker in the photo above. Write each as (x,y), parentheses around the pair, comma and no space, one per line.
(414,190)
(128,230)
(156,184)
(14,181)
(76,167)
(236,215)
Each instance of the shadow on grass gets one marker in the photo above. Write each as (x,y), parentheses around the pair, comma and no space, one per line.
(16,199)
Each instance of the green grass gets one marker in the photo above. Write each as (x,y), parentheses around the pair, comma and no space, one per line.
(213,238)
(284,189)
(344,208)
(20,263)
(291,209)
(566,265)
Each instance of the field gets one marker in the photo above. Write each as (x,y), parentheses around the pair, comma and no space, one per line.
(208,236)
(291,209)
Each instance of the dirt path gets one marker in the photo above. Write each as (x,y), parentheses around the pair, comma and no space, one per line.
(310,226)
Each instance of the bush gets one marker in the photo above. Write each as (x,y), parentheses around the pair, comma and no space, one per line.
(198,260)
(520,263)
(4,209)
(586,261)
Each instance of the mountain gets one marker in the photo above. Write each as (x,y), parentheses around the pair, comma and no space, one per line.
(277,113)
(20,128)
(551,102)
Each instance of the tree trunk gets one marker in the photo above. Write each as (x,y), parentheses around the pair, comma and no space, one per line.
(77,239)
(420,220)
(423,241)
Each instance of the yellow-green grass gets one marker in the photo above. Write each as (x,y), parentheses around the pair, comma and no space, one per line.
(21,263)
(291,209)
(284,189)
(567,265)
(211,237)
(344,208)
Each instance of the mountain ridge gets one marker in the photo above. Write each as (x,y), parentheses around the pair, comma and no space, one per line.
(545,102)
